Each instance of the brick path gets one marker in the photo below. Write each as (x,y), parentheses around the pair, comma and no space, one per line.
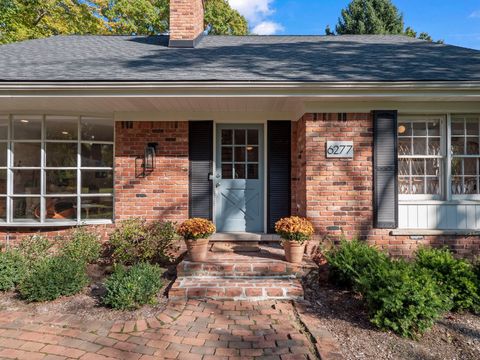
(185,330)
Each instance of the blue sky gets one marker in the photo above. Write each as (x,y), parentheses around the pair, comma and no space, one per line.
(456,22)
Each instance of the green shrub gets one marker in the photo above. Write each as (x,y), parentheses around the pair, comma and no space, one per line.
(456,277)
(83,245)
(131,288)
(351,259)
(402,298)
(53,277)
(135,241)
(12,269)
(35,247)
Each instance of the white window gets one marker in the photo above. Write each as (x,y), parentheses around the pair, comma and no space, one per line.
(56,169)
(465,154)
(427,170)
(421,157)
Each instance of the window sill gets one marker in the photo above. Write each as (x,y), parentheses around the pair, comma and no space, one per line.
(433,232)
(54,224)
(438,202)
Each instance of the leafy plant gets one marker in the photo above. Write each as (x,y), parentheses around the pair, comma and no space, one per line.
(131,288)
(456,277)
(53,277)
(83,245)
(403,298)
(35,247)
(135,241)
(12,269)
(352,259)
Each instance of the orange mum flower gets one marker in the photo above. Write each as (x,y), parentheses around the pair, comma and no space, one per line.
(294,228)
(196,228)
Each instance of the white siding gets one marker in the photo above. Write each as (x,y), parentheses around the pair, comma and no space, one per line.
(439,216)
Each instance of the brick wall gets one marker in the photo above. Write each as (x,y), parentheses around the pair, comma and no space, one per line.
(186,19)
(162,194)
(336,194)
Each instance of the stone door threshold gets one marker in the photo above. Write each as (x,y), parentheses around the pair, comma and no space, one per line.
(245,237)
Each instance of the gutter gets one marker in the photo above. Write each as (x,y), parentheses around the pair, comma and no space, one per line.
(467,89)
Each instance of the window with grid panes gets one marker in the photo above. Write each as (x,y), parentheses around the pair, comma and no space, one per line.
(56,169)
(420,157)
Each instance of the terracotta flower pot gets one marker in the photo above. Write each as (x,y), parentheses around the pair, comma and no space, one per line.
(197,249)
(294,251)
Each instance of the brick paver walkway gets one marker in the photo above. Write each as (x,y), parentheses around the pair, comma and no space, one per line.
(185,330)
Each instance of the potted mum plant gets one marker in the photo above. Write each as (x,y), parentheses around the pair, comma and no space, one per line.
(196,232)
(295,232)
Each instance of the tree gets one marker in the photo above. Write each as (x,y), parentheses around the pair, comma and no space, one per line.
(221,19)
(32,19)
(370,17)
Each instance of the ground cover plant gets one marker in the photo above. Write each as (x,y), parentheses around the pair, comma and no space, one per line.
(12,269)
(130,288)
(406,297)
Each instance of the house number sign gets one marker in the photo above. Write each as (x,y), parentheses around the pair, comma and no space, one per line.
(340,149)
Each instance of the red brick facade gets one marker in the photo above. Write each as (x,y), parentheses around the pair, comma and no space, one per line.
(163,193)
(336,194)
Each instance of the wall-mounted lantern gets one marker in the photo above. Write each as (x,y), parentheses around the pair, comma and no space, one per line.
(146,164)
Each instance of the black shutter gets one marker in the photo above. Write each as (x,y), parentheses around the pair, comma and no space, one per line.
(385,169)
(200,155)
(279,170)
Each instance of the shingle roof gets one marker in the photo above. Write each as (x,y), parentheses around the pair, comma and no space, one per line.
(243,58)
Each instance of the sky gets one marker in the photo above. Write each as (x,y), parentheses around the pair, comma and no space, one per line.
(457,22)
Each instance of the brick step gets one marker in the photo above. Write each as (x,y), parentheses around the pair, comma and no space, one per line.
(268,261)
(251,288)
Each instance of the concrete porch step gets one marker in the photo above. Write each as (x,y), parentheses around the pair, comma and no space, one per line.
(245,237)
(249,288)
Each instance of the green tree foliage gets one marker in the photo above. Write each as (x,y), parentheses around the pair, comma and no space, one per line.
(370,17)
(221,19)
(32,19)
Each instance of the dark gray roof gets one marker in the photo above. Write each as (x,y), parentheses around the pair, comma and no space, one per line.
(243,58)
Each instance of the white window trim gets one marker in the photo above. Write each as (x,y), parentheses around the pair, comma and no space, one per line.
(43,222)
(443,147)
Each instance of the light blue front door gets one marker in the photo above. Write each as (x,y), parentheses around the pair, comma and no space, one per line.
(239,178)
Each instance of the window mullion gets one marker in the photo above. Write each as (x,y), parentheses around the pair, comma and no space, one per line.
(9,204)
(43,202)
(79,173)
(448,166)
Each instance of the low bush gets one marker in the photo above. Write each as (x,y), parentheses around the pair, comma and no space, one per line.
(135,241)
(35,247)
(53,277)
(456,277)
(131,288)
(12,269)
(83,245)
(403,298)
(352,259)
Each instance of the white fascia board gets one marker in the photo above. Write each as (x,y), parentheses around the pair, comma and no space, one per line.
(347,90)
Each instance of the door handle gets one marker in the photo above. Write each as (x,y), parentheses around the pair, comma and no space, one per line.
(217,184)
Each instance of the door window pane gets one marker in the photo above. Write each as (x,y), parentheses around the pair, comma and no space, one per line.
(26,209)
(26,181)
(252,171)
(227,137)
(252,137)
(61,209)
(26,154)
(61,181)
(97,155)
(97,129)
(227,154)
(97,182)
(3,127)
(252,153)
(240,171)
(61,128)
(227,171)
(240,138)
(27,127)
(3,153)
(61,154)
(96,208)
(239,153)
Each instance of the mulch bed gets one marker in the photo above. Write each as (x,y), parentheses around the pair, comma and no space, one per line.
(87,304)
(343,313)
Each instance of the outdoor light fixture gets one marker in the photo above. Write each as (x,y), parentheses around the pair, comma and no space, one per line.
(149,158)
(402,129)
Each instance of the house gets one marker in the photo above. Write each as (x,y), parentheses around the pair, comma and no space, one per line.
(375,137)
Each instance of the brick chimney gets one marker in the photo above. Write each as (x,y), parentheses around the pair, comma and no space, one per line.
(186,22)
